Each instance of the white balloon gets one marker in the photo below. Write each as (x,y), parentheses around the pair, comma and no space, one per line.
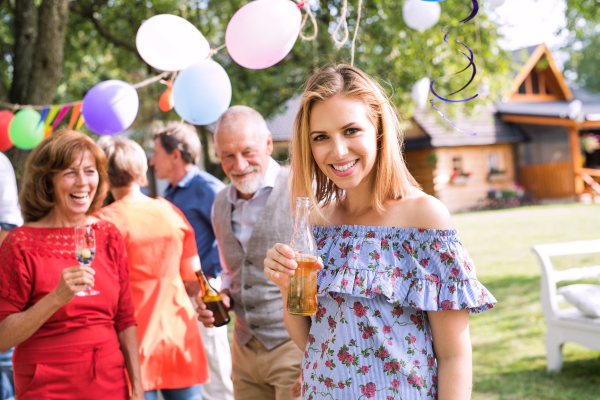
(420,91)
(421,15)
(496,3)
(170,43)
(575,110)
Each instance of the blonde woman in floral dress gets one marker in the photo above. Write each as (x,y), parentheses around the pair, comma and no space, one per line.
(397,286)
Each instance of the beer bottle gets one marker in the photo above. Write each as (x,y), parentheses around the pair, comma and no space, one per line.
(213,300)
(302,286)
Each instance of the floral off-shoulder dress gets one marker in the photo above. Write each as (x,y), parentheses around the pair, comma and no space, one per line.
(371,337)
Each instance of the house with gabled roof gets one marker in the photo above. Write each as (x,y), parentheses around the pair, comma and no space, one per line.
(554,118)
(532,138)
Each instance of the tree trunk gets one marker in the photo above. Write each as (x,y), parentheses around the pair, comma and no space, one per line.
(25,34)
(38,57)
(47,60)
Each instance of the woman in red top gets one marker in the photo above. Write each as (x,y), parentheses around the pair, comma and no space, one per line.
(67,346)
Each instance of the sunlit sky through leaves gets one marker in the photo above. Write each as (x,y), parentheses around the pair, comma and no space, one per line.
(530,22)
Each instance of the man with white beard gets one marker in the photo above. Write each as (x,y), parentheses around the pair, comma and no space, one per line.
(249,217)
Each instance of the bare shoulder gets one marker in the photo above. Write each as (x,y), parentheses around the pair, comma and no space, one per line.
(420,210)
(326,213)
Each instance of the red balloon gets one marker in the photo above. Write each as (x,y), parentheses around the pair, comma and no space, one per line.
(5,120)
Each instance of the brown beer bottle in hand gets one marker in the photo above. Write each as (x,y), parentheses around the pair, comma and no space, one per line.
(213,300)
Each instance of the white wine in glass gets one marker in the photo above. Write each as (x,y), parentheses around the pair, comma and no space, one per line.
(85,250)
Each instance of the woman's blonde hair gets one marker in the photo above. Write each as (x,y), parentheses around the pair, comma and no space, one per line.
(127,161)
(392,178)
(54,154)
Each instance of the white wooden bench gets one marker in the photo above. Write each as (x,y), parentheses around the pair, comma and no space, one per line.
(566,324)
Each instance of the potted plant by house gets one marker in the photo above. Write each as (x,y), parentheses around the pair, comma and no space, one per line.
(497,175)
(460,178)
(513,190)
(590,142)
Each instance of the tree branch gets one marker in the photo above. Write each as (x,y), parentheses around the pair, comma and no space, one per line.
(88,12)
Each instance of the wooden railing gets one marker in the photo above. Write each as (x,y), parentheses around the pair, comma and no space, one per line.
(548,181)
(585,175)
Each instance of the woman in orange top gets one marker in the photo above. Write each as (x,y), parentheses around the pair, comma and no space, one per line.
(163,259)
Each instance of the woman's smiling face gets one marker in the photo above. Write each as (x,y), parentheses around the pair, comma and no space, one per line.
(343,140)
(75,187)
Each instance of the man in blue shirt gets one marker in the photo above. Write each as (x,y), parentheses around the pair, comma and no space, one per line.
(175,158)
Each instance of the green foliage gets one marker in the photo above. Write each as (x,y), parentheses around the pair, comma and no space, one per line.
(584,43)
(386,48)
(585,64)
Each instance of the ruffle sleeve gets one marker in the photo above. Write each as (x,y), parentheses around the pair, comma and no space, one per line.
(425,269)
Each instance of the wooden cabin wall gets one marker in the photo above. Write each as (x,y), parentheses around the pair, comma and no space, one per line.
(545,161)
(419,165)
(475,159)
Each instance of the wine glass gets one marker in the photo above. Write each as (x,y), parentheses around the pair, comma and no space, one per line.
(85,250)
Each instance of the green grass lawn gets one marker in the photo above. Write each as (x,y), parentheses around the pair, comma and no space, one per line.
(509,355)
(509,359)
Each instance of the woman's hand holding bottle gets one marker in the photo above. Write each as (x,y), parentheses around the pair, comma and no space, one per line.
(280,264)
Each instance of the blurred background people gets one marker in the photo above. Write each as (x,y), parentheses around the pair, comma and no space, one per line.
(162,256)
(175,158)
(67,346)
(10,218)
(250,215)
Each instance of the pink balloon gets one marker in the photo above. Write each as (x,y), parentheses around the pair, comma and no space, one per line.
(263,32)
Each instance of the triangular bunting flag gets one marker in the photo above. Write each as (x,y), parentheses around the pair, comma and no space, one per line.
(74,115)
(52,114)
(79,123)
(43,115)
(60,116)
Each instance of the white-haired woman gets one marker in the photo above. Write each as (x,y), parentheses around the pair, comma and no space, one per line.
(396,277)
(162,257)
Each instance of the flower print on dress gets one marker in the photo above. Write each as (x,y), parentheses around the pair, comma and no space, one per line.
(371,337)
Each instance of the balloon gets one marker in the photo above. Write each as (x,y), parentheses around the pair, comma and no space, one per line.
(110,107)
(25,130)
(5,119)
(575,111)
(496,3)
(421,15)
(170,43)
(420,90)
(263,32)
(166,99)
(202,93)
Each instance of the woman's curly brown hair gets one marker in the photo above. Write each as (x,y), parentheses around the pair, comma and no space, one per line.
(54,154)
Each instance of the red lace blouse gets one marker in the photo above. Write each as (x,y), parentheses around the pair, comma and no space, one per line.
(31,262)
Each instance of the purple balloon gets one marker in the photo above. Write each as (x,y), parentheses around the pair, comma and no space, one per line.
(110,107)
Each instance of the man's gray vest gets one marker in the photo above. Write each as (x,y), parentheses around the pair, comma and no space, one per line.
(257,301)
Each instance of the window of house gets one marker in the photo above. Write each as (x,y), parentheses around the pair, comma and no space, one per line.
(493,162)
(457,164)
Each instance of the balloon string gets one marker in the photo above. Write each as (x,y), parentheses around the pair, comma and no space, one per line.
(355,32)
(12,106)
(150,80)
(446,31)
(308,14)
(342,23)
